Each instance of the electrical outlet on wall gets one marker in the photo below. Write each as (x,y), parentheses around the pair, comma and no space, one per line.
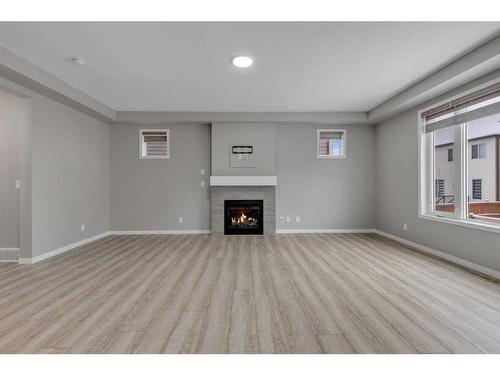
(297,219)
(18,184)
(202,184)
(405,226)
(82,227)
(282,219)
(288,219)
(202,171)
(181,219)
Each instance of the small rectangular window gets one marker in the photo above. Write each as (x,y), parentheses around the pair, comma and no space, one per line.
(477,189)
(439,188)
(479,151)
(154,143)
(450,154)
(331,143)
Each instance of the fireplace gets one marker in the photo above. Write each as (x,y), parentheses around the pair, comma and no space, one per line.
(243,217)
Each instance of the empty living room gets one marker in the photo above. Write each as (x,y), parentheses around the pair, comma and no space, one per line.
(249,186)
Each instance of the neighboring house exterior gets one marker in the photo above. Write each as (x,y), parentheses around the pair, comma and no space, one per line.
(484,169)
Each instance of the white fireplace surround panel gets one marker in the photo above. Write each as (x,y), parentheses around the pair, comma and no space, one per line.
(243,181)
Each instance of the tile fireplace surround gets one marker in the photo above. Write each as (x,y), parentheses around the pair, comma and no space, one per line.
(221,193)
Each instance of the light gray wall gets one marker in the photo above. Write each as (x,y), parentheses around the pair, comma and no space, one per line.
(397,198)
(325,193)
(152,194)
(10,138)
(70,175)
(262,136)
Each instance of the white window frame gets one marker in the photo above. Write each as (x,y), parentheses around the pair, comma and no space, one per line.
(343,149)
(426,173)
(141,144)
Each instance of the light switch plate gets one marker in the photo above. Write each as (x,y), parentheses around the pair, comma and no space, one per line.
(18,184)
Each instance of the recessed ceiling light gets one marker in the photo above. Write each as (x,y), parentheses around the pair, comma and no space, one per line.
(242,61)
(79,60)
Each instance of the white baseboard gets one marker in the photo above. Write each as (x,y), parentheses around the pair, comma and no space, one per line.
(9,254)
(278,231)
(181,231)
(61,250)
(440,254)
(104,234)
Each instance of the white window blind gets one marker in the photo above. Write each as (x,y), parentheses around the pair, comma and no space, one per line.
(155,143)
(483,103)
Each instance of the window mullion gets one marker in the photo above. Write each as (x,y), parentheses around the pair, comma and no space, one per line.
(462,172)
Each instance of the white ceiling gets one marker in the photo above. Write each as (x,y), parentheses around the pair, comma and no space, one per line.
(330,66)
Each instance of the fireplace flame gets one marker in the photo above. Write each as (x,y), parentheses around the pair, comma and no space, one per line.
(242,219)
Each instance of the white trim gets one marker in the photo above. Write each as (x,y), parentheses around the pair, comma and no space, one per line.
(185,231)
(283,231)
(463,223)
(15,249)
(61,250)
(243,180)
(440,254)
(343,150)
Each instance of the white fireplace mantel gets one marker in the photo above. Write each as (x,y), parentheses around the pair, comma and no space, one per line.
(243,181)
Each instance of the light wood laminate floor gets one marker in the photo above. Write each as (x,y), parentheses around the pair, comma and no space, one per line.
(318,293)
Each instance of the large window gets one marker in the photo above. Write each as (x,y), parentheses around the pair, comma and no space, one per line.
(460,159)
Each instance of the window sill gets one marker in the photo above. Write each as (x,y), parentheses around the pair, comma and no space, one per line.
(330,157)
(154,157)
(463,223)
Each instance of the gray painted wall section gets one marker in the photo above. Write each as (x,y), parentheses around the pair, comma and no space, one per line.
(262,136)
(70,175)
(325,193)
(10,153)
(397,196)
(152,194)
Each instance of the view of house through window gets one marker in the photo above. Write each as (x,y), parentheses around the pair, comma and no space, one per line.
(331,143)
(466,154)
(444,170)
(483,137)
